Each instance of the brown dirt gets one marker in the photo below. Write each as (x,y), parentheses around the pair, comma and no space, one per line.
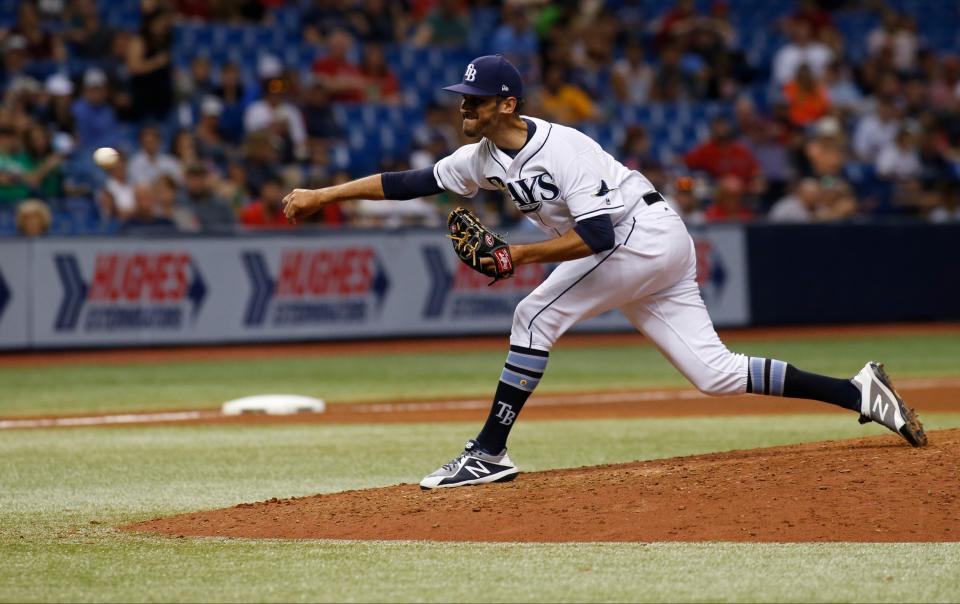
(320,349)
(927,396)
(874,489)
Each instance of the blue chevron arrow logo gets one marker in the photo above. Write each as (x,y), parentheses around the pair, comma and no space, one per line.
(380,284)
(718,275)
(4,294)
(197,291)
(441,281)
(74,291)
(263,287)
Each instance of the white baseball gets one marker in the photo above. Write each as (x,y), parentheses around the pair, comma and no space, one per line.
(106,157)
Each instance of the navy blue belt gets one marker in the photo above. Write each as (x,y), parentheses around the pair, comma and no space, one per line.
(653,197)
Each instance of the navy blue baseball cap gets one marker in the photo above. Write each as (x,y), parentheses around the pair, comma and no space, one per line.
(490,75)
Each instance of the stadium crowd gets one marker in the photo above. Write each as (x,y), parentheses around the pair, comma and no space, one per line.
(205,146)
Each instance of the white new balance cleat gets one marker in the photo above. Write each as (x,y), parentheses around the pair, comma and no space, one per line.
(880,403)
(473,466)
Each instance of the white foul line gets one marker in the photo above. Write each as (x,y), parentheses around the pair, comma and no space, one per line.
(100,420)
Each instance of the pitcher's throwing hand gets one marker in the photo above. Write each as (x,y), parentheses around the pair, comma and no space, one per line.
(300,203)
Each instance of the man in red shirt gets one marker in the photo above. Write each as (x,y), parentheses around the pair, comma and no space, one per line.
(723,155)
(337,73)
(728,204)
(266,212)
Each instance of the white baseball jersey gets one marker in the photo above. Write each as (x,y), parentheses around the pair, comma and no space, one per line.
(560,176)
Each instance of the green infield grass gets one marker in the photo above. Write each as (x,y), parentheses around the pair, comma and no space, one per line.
(64,492)
(197,384)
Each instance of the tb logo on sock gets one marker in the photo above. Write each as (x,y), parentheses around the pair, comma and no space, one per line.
(506,413)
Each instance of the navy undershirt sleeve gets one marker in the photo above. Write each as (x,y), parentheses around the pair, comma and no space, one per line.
(409,184)
(596,232)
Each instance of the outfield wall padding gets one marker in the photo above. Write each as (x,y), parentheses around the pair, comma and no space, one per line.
(854,273)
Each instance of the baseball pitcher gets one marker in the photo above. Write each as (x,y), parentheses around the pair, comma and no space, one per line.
(619,245)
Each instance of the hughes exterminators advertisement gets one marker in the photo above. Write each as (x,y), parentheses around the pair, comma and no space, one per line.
(62,293)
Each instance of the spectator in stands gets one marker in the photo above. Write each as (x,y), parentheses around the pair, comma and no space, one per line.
(41,45)
(938,180)
(800,205)
(802,49)
(184,148)
(915,96)
(632,77)
(233,187)
(44,164)
(194,85)
(267,210)
(770,141)
(896,34)
(723,67)
(437,122)
(88,36)
(54,108)
(198,196)
(728,203)
(876,129)
(723,155)
(673,82)
(381,84)
(15,59)
(682,197)
(944,81)
(33,218)
(378,21)
(323,17)
(232,94)
(116,198)
(210,144)
(837,201)
(145,219)
(446,25)
(95,119)
(562,101)
(317,112)
(807,99)
(14,167)
(318,171)
(825,151)
(636,152)
(166,191)
(843,93)
(516,40)
(674,25)
(151,161)
(259,161)
(340,76)
(276,115)
(148,63)
(811,13)
(899,159)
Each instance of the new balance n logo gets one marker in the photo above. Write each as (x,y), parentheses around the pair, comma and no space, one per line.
(879,407)
(478,470)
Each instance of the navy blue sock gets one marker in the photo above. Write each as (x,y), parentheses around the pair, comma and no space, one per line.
(776,378)
(521,374)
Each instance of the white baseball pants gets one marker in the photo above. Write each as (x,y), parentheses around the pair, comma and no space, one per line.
(650,276)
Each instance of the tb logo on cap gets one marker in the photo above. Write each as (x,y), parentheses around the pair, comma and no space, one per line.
(471,73)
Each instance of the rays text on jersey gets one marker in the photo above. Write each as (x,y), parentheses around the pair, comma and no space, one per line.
(528,193)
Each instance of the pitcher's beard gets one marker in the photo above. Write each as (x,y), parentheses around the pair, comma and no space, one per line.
(471,127)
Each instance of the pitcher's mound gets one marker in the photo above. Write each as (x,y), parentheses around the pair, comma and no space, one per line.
(871,489)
